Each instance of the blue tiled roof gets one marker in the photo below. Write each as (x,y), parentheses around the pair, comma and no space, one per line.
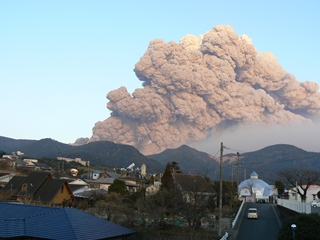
(55,223)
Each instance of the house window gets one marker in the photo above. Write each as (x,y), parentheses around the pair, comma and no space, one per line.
(62,189)
(24,187)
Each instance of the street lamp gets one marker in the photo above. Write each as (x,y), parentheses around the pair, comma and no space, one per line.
(293,227)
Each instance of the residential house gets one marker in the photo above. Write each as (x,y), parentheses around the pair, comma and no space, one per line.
(11,156)
(41,167)
(105,183)
(79,187)
(193,186)
(39,188)
(312,193)
(136,180)
(105,179)
(6,163)
(19,221)
(101,183)
(5,178)
(153,189)
(95,174)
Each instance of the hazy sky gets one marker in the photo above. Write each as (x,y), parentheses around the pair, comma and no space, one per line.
(59,59)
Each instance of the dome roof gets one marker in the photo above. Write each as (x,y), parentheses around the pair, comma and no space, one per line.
(255,183)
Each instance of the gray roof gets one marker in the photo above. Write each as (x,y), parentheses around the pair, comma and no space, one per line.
(35,180)
(40,186)
(114,175)
(90,193)
(49,189)
(132,176)
(14,183)
(75,188)
(42,165)
(102,180)
(17,221)
(110,181)
(4,174)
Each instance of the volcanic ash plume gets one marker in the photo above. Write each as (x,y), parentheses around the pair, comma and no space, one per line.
(196,86)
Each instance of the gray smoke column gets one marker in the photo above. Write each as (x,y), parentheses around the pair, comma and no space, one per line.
(201,84)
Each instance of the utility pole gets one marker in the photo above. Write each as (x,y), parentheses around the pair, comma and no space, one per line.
(238,165)
(232,172)
(220,192)
(232,165)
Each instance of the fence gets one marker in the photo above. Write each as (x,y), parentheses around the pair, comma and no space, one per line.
(225,237)
(237,216)
(300,207)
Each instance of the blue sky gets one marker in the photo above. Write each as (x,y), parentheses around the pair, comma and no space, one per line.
(59,59)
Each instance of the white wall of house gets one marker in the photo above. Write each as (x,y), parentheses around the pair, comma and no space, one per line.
(95,175)
(30,160)
(153,189)
(311,193)
(105,186)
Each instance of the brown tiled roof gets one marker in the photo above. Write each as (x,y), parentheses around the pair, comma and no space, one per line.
(192,183)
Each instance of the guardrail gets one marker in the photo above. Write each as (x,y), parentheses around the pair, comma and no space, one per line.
(300,207)
(225,237)
(237,216)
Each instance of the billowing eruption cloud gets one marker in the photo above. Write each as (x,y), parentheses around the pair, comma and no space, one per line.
(200,84)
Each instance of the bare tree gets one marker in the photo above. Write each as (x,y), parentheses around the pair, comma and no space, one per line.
(5,195)
(27,199)
(108,206)
(300,180)
(250,186)
(160,206)
(194,201)
(5,164)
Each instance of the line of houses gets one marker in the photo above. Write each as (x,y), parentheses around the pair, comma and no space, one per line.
(40,187)
(251,189)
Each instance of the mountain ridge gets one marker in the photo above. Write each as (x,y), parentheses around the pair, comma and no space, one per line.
(102,153)
(267,162)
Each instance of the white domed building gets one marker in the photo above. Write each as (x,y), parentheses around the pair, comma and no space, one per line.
(253,189)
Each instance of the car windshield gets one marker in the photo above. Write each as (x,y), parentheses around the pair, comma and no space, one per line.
(252,210)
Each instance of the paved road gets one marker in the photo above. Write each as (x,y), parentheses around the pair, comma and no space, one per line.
(266,227)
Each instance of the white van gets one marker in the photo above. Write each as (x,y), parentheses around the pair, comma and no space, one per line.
(253,213)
